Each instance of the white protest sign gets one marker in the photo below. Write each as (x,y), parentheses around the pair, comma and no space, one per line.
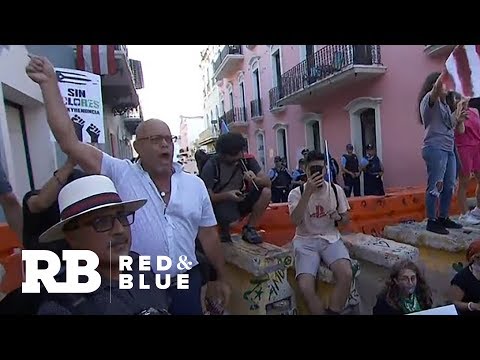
(442,310)
(82,94)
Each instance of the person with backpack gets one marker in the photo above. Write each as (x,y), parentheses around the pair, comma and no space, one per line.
(316,209)
(281,181)
(237,186)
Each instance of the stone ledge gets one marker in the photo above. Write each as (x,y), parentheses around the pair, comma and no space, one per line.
(379,251)
(417,235)
(258,260)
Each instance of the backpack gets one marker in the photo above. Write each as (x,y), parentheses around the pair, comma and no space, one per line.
(202,159)
(335,191)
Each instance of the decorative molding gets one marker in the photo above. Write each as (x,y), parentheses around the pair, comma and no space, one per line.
(361,103)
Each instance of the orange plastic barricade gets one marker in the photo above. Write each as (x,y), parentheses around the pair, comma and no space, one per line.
(10,260)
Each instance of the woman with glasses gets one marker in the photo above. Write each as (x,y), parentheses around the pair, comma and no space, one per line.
(405,292)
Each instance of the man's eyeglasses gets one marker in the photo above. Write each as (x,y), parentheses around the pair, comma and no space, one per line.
(104,223)
(157,139)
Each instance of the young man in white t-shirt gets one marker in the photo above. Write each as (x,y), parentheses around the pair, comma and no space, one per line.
(315,211)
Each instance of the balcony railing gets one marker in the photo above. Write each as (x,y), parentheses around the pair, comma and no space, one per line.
(122,48)
(227,50)
(274,96)
(235,115)
(256,108)
(327,61)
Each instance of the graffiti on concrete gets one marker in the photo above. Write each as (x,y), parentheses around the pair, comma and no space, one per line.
(354,296)
(274,284)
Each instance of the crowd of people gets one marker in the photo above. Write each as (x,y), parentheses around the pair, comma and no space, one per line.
(350,168)
(152,207)
(450,150)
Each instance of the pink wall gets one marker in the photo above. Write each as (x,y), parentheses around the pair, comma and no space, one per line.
(407,66)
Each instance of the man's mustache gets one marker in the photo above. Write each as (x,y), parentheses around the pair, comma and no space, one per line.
(118,240)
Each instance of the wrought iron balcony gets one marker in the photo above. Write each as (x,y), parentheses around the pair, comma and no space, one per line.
(256,109)
(229,60)
(274,97)
(132,118)
(236,117)
(340,64)
(119,90)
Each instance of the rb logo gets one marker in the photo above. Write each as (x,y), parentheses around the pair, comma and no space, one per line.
(33,274)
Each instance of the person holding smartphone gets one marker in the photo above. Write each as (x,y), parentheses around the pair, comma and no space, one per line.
(467,145)
(438,152)
(314,210)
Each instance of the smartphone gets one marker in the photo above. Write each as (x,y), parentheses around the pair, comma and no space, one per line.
(316,169)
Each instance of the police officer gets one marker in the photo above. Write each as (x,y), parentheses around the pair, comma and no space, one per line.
(281,181)
(93,217)
(373,172)
(350,172)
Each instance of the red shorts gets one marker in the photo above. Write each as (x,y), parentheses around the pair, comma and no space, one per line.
(469,159)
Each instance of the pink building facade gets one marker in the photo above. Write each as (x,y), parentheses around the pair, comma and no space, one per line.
(285,98)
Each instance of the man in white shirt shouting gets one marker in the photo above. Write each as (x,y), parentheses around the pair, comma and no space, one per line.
(178,207)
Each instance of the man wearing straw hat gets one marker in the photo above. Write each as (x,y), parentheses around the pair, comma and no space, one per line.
(178,209)
(94,217)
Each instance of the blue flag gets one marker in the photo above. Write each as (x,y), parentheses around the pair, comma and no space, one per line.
(224,127)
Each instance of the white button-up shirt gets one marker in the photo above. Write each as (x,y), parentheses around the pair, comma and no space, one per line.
(160,229)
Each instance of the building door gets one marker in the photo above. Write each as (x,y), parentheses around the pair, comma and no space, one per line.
(367,120)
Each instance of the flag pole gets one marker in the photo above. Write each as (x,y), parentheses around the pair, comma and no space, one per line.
(327,159)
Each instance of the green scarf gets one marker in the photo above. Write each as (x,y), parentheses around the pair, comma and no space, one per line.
(410,304)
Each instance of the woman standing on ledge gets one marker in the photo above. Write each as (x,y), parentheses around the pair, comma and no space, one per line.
(438,151)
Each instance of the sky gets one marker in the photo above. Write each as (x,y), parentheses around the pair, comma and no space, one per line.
(173,83)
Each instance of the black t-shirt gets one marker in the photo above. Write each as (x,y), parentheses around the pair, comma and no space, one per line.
(37,223)
(470,285)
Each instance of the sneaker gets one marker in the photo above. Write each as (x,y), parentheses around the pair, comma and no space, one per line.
(469,219)
(449,224)
(475,212)
(435,227)
(250,235)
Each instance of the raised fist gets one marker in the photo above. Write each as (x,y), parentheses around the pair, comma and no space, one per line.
(94,133)
(40,70)
(78,123)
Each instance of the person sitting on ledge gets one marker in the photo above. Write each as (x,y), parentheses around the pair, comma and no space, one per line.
(237,187)
(316,209)
(405,292)
(465,286)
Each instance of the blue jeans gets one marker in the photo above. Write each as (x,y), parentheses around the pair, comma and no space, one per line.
(441,167)
(188,301)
